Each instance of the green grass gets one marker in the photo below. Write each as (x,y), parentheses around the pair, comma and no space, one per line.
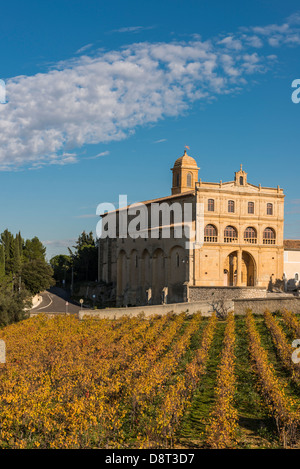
(284,375)
(192,429)
(257,428)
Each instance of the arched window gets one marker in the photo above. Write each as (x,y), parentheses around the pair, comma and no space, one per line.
(177,180)
(230,234)
(211,205)
(269,236)
(231,206)
(241,181)
(250,207)
(189,180)
(269,209)
(210,234)
(250,235)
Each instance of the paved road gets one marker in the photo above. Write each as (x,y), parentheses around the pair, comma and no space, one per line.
(54,301)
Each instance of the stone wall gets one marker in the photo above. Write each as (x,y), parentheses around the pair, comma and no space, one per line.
(213,294)
(239,306)
(177,308)
(259,305)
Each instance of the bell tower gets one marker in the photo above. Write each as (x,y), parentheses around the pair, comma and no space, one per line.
(185,174)
(240,178)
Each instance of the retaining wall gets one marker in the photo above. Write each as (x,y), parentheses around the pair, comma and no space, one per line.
(239,306)
(224,293)
(177,308)
(259,305)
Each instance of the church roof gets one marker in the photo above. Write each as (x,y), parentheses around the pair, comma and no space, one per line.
(185,160)
(150,201)
(291,244)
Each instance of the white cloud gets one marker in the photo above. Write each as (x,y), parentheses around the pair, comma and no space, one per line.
(103,153)
(161,140)
(278,34)
(58,246)
(91,100)
(65,158)
(59,242)
(132,29)
(231,43)
(84,48)
(253,41)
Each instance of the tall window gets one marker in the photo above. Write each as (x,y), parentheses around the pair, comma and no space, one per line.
(269,209)
(210,234)
(177,180)
(230,234)
(241,181)
(189,180)
(269,236)
(231,206)
(250,207)
(211,205)
(250,235)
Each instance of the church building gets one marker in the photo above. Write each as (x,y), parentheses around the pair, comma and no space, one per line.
(234,239)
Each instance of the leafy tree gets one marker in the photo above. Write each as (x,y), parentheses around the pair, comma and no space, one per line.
(34,249)
(85,257)
(2,261)
(16,256)
(61,265)
(13,252)
(13,303)
(37,276)
(7,241)
(23,272)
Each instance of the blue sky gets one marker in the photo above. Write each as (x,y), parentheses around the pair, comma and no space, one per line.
(103,96)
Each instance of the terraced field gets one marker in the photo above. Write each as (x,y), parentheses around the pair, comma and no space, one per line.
(175,381)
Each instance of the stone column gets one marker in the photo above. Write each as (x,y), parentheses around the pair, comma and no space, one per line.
(149,295)
(239,268)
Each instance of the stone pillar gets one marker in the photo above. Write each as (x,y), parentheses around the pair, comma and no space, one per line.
(165,295)
(149,295)
(186,296)
(239,268)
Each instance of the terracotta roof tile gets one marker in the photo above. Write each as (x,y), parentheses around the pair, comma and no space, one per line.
(291,244)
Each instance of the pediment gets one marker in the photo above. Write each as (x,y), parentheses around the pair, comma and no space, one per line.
(247,188)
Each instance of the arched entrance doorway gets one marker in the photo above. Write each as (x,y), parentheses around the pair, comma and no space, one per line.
(243,275)
(248,270)
(230,270)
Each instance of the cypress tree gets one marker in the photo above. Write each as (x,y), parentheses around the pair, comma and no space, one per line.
(2,261)
(16,256)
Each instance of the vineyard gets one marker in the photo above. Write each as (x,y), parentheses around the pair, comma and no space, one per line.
(173,381)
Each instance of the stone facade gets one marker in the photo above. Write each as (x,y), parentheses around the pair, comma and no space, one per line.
(238,241)
(292,264)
